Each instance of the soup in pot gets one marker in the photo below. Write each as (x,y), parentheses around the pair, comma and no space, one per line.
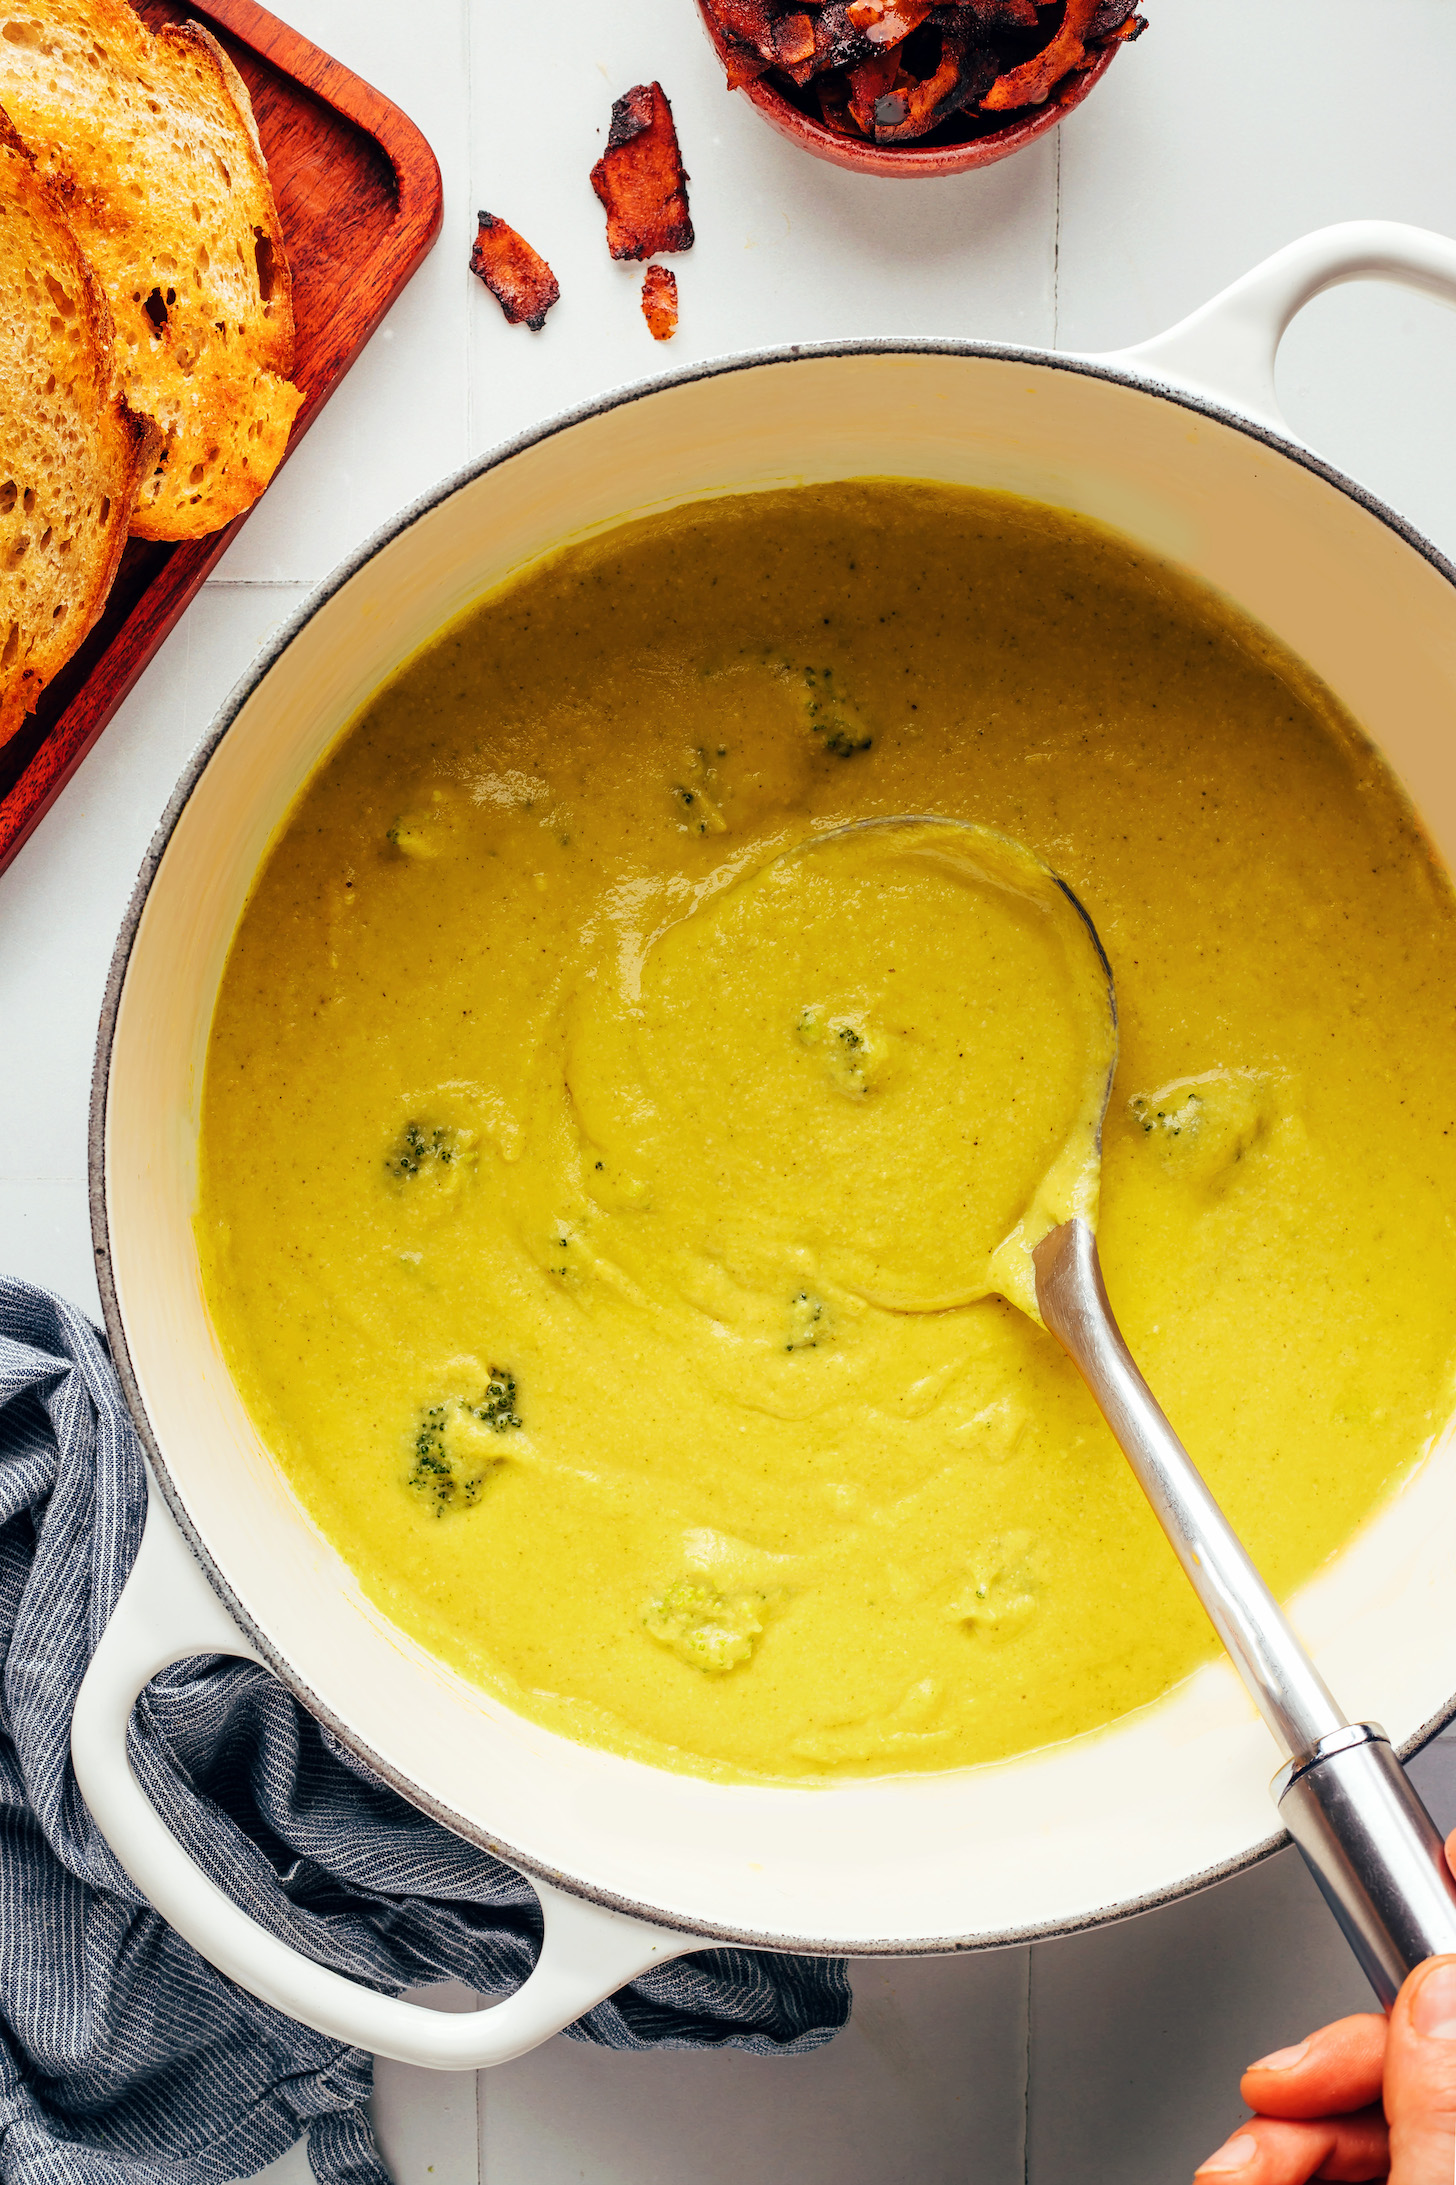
(601,1192)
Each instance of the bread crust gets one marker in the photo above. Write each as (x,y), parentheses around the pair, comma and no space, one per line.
(150,141)
(76,453)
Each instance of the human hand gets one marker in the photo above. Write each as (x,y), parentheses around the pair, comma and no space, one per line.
(1318,2107)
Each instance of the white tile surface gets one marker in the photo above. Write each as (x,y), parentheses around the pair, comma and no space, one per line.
(45,1234)
(1139,2034)
(1189,163)
(61,903)
(427,2122)
(927,2082)
(398,422)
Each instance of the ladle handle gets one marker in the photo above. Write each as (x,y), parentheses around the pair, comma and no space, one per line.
(1343,1795)
(1283,1682)
(1375,1852)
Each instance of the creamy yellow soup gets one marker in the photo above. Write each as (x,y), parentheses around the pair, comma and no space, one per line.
(611,1176)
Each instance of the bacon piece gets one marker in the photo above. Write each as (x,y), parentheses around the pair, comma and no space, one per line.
(909,109)
(659,302)
(1033,83)
(742,65)
(749,21)
(886,22)
(1005,14)
(517,276)
(747,29)
(640,178)
(833,95)
(964,76)
(794,45)
(1115,21)
(871,82)
(837,44)
(793,37)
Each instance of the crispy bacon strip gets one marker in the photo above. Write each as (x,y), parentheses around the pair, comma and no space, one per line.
(869,83)
(1005,14)
(794,45)
(833,94)
(966,73)
(886,22)
(910,108)
(1033,82)
(659,302)
(517,276)
(748,30)
(793,37)
(750,21)
(742,65)
(1114,20)
(837,44)
(640,178)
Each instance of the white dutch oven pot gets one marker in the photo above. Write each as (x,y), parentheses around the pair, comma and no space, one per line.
(1180,446)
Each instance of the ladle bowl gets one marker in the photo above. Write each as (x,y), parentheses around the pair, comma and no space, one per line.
(985,858)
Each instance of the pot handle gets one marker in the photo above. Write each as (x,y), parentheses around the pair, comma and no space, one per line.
(167,1612)
(1227,348)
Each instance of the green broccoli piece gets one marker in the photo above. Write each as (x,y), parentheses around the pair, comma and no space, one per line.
(498,1405)
(703,1627)
(417,1147)
(806,1316)
(451,1470)
(833,716)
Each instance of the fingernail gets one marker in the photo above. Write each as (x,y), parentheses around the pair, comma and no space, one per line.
(1236,2155)
(1282,2059)
(1434,2011)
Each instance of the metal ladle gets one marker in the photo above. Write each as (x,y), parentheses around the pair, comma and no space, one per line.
(1344,1797)
(1342,1793)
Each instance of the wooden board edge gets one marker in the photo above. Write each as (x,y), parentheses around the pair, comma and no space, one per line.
(421,191)
(420,215)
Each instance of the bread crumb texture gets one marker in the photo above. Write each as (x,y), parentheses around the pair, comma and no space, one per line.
(73,455)
(149,142)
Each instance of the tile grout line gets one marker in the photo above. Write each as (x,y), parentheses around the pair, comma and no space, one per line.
(1057,247)
(1026,2078)
(481,2003)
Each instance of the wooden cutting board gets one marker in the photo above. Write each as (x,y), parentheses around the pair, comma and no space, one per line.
(359,197)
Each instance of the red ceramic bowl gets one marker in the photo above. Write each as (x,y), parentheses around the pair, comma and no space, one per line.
(908,159)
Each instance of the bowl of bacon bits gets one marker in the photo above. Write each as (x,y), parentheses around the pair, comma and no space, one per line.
(904,87)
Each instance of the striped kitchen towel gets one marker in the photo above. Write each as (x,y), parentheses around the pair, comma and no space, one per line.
(123,2056)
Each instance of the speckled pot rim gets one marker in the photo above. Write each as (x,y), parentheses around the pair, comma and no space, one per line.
(1042,359)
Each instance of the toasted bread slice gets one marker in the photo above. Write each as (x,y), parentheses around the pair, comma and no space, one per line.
(74,454)
(150,142)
